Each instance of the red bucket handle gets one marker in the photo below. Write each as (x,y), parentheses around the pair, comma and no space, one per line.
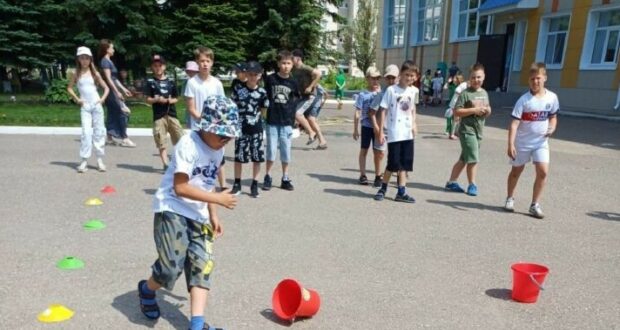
(536,282)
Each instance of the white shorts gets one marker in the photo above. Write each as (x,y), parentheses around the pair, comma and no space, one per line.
(538,155)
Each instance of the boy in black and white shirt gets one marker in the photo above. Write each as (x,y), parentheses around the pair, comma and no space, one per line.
(252,102)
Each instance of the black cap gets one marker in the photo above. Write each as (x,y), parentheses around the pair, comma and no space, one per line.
(254,67)
(240,66)
(158,58)
(298,53)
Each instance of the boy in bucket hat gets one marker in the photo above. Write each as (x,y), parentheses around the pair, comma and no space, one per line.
(186,221)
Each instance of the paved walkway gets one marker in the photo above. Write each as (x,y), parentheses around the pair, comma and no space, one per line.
(442,263)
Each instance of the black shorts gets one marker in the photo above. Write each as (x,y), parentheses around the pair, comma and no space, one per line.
(400,156)
(249,147)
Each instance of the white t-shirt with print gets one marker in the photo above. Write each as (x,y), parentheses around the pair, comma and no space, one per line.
(534,113)
(400,112)
(199,90)
(193,157)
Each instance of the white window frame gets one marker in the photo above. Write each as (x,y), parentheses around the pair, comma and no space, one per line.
(543,34)
(590,37)
(392,23)
(454,25)
(436,20)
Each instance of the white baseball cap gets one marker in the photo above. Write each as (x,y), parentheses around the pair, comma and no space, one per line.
(391,70)
(84,51)
(373,72)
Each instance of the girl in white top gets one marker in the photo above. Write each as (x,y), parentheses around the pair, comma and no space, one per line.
(91,112)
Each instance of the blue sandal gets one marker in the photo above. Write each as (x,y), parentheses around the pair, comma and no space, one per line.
(148,304)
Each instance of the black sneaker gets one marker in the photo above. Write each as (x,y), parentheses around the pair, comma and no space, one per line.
(363,180)
(254,189)
(378,182)
(236,190)
(287,185)
(267,182)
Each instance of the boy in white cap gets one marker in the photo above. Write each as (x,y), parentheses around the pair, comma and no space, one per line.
(186,220)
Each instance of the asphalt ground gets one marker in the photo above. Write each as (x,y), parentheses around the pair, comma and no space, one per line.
(441,263)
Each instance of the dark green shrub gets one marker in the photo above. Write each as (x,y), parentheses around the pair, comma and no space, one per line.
(56,92)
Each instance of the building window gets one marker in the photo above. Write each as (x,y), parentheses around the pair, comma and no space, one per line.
(469,23)
(396,22)
(556,40)
(427,21)
(605,50)
(552,40)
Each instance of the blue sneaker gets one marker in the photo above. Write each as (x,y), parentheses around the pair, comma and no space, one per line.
(454,187)
(380,195)
(472,190)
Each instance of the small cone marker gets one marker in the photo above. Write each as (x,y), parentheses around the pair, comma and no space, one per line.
(69,263)
(55,313)
(93,201)
(108,190)
(94,224)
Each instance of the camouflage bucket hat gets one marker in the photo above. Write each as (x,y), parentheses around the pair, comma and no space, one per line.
(220,116)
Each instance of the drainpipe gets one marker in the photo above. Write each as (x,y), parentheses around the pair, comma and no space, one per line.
(443,33)
(408,9)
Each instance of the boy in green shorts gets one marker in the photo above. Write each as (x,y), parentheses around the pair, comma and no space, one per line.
(472,107)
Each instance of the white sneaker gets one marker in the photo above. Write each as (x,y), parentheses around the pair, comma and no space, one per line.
(83,167)
(100,165)
(128,143)
(510,204)
(536,211)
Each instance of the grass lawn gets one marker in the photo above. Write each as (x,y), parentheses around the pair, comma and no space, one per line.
(42,114)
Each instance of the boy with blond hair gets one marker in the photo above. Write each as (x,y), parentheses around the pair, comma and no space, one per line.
(534,120)
(472,107)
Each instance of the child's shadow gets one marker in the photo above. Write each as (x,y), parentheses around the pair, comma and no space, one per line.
(129,304)
(464,206)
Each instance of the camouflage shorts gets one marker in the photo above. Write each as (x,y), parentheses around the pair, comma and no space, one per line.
(182,245)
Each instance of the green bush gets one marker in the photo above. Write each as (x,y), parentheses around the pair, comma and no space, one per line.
(57,92)
(353,83)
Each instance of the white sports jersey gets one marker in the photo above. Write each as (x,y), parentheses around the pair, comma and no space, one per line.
(534,113)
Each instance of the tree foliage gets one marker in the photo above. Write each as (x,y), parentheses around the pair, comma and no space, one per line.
(360,36)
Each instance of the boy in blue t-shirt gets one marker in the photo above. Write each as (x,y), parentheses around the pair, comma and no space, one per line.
(362,114)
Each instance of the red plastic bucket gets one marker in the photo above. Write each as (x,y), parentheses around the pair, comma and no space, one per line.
(291,300)
(527,281)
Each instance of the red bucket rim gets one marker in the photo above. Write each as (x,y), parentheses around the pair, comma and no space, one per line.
(539,269)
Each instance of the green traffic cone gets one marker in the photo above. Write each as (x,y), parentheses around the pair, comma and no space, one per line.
(94,224)
(69,263)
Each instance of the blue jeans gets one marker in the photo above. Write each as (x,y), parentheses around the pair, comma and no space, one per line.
(279,137)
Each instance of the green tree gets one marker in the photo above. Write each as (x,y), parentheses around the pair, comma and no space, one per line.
(217,24)
(360,35)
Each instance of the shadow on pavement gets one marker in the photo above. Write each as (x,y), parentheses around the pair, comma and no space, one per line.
(271,316)
(349,193)
(333,178)
(129,304)
(138,168)
(609,216)
(502,294)
(464,206)
(425,186)
(71,165)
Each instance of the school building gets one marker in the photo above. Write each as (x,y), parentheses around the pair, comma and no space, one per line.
(577,39)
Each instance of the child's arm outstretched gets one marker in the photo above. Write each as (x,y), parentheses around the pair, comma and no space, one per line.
(183,189)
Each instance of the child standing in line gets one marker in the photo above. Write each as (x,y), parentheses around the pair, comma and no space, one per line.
(457,86)
(191,69)
(534,121)
(91,112)
(362,109)
(391,74)
(199,88)
(252,101)
(283,92)
(437,83)
(427,87)
(161,94)
(186,222)
(399,103)
(240,71)
(472,107)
